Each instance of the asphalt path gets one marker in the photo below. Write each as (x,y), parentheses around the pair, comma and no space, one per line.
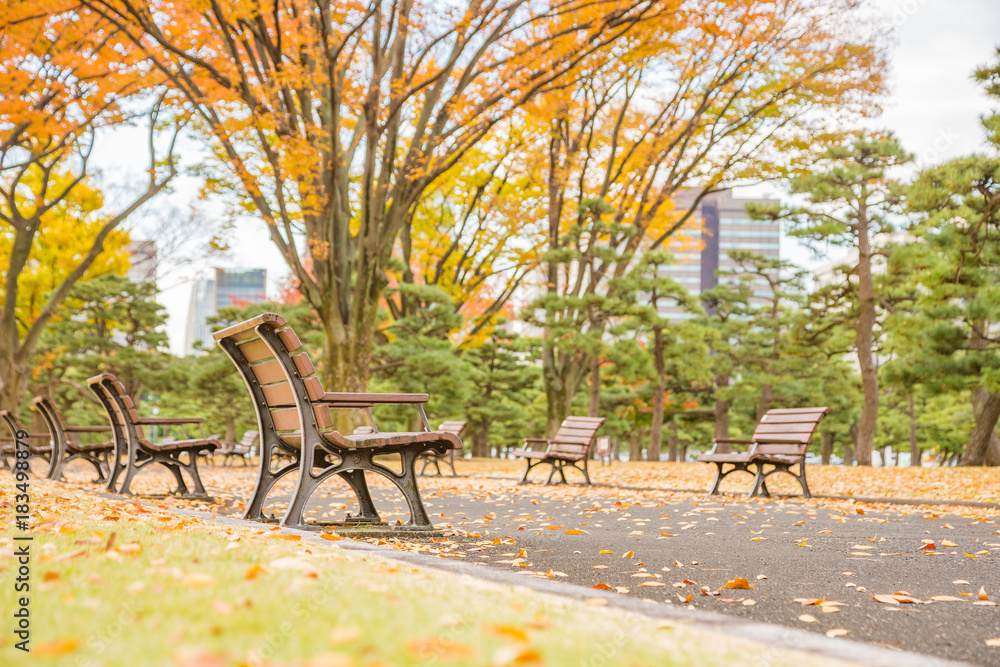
(812,565)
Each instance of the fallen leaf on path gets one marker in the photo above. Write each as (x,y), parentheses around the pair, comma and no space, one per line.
(836,632)
(739,582)
(807,618)
(602,586)
(574,531)
(993,642)
(946,598)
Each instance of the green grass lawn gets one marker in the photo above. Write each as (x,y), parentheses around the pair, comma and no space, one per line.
(116,583)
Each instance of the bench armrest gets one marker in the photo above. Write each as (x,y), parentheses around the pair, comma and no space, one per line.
(87,429)
(356,398)
(166,421)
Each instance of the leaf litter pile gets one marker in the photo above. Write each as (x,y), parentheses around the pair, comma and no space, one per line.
(122,582)
(679,545)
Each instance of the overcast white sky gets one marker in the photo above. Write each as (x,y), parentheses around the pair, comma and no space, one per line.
(933,107)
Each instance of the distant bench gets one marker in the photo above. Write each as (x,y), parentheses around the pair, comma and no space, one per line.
(568,448)
(780,440)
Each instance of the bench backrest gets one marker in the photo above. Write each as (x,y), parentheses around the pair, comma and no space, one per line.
(265,368)
(96,385)
(456,427)
(793,427)
(46,407)
(574,436)
(119,406)
(12,422)
(249,438)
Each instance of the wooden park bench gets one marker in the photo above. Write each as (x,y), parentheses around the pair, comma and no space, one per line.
(240,450)
(39,445)
(780,441)
(456,427)
(68,445)
(294,416)
(138,452)
(569,447)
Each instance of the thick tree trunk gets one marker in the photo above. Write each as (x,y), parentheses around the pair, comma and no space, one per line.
(656,429)
(983,447)
(230,437)
(848,446)
(594,403)
(672,440)
(826,446)
(766,396)
(13,383)
(911,412)
(722,415)
(635,446)
(864,341)
(481,439)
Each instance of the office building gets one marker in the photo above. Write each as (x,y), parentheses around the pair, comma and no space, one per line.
(228,288)
(720,224)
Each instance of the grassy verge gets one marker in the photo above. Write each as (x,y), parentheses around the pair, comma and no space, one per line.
(118,583)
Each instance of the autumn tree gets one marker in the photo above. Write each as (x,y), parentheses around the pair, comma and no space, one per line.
(850,198)
(696,100)
(329,120)
(68,76)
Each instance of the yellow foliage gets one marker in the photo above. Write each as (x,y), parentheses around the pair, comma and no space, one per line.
(65,236)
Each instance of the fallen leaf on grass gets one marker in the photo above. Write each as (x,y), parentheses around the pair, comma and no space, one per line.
(56,648)
(254,571)
(197,580)
(508,631)
(69,555)
(435,647)
(739,582)
(129,548)
(51,576)
(295,565)
(516,655)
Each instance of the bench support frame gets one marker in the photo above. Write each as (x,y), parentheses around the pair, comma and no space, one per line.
(558,466)
(760,479)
